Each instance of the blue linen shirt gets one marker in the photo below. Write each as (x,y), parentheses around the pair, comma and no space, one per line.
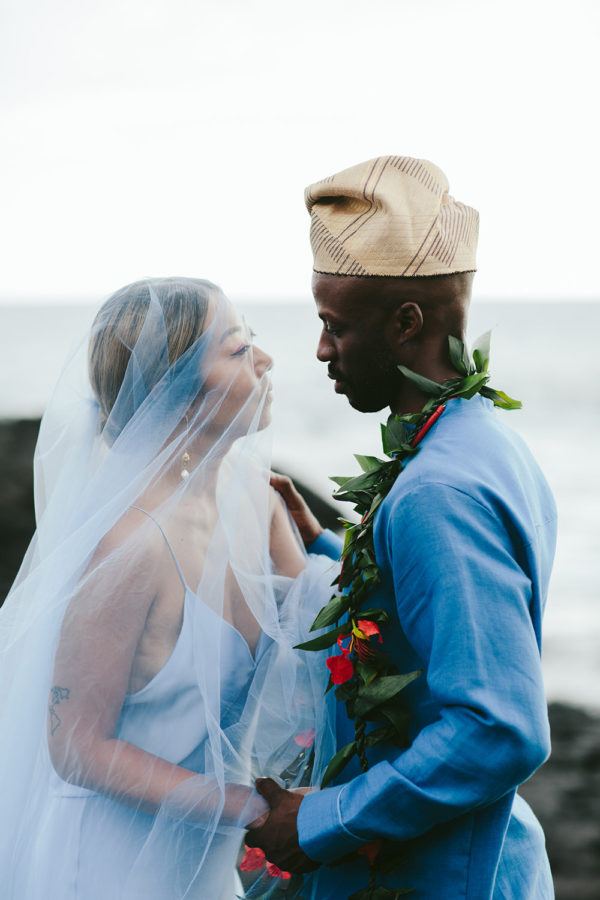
(465,542)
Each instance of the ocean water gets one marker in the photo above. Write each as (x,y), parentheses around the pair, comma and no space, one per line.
(547,355)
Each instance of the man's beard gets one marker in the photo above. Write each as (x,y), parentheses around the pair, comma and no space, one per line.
(376,386)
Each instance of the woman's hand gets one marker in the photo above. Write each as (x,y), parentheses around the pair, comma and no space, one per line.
(258,823)
(307,524)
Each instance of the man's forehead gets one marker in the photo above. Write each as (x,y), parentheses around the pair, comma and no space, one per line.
(343,295)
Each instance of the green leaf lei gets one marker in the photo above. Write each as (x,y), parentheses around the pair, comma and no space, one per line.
(367,681)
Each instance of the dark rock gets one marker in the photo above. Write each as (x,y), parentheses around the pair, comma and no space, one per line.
(17,521)
(565,795)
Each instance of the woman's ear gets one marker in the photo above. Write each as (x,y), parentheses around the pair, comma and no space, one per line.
(404,324)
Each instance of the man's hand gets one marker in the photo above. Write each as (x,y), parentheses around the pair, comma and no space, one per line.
(307,524)
(278,837)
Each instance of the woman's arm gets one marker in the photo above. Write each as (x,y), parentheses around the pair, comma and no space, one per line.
(286,552)
(98,641)
(99,637)
(307,524)
(316,539)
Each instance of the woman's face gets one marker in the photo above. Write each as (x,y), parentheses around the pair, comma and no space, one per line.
(237,373)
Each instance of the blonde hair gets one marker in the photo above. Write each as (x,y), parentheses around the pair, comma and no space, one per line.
(119,322)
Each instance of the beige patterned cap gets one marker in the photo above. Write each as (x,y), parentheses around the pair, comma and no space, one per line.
(390,216)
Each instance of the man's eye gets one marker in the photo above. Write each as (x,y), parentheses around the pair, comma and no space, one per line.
(329,329)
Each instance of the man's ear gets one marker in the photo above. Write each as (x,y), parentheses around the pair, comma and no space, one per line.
(404,324)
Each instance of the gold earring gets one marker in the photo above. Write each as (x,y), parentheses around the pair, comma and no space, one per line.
(185,459)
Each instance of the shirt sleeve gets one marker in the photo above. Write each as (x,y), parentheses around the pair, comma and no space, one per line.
(463,602)
(327,544)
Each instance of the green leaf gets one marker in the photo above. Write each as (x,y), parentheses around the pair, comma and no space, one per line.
(349,537)
(382,735)
(394,435)
(459,356)
(341,480)
(399,719)
(369,463)
(323,641)
(425,385)
(481,352)
(361,498)
(337,762)
(336,607)
(373,695)
(345,691)
(366,672)
(470,385)
(375,615)
(502,400)
(362,482)
(411,418)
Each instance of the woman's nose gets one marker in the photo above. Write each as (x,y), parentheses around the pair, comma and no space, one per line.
(262,361)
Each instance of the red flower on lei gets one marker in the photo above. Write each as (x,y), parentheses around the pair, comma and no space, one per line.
(357,639)
(275,872)
(341,668)
(254,858)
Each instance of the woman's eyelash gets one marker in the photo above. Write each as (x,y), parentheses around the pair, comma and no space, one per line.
(242,350)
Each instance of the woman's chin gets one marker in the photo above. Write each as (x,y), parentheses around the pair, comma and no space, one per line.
(266,418)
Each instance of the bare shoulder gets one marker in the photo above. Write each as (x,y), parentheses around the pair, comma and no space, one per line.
(135,532)
(126,562)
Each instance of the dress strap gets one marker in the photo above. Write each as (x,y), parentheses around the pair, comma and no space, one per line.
(173,557)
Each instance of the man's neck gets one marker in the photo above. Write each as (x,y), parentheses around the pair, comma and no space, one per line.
(409,399)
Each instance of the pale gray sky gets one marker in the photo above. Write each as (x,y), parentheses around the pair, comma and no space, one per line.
(152,137)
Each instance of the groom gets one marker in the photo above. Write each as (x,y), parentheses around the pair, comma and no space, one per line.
(464,542)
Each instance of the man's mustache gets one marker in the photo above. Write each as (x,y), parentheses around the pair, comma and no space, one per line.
(334,374)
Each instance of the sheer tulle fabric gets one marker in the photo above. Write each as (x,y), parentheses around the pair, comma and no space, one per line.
(148,674)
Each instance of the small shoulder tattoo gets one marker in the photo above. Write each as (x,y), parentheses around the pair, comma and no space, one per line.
(57,695)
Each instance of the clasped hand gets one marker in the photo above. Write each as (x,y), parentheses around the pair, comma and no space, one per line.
(277,835)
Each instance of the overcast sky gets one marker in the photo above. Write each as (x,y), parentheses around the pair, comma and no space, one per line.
(154,137)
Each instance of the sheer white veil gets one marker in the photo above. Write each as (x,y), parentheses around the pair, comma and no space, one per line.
(157,609)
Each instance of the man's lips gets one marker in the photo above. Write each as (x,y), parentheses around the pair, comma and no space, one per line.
(339,382)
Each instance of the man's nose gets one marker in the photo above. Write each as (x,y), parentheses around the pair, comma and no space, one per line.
(325,348)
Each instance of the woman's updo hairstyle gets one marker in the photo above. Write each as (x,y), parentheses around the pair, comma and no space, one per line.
(117,327)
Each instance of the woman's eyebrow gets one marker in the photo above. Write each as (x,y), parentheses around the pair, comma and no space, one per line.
(229,332)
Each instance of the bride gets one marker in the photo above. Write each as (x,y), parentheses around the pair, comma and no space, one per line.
(147,667)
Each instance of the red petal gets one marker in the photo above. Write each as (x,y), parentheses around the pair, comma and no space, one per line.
(305,738)
(340,643)
(275,872)
(254,858)
(368,627)
(341,668)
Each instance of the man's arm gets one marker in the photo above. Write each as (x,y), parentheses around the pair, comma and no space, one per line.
(463,602)
(327,544)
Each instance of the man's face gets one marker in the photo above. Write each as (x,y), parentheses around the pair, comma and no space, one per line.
(353,342)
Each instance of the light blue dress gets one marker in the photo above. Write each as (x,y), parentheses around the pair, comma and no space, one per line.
(465,542)
(91,847)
